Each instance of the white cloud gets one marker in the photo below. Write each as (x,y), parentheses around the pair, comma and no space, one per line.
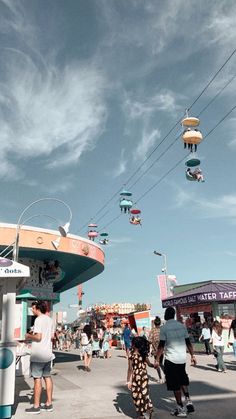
(149,35)
(121,167)
(163,100)
(59,114)
(121,240)
(63,185)
(223,206)
(46,111)
(222,22)
(230,253)
(183,197)
(147,142)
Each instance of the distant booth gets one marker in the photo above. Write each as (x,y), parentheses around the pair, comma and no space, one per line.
(204,301)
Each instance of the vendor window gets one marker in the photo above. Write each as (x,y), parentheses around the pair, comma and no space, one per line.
(226,310)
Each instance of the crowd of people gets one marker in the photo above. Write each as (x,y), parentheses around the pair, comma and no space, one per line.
(89,340)
(167,343)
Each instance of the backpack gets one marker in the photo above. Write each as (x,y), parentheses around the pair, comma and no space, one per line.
(84,339)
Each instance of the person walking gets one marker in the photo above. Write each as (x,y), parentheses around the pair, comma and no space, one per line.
(41,357)
(137,377)
(105,344)
(86,346)
(144,333)
(174,339)
(154,339)
(218,345)
(127,338)
(233,330)
(206,337)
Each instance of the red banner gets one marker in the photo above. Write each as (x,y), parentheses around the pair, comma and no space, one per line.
(161,279)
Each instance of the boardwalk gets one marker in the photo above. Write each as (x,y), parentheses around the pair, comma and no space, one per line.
(102,393)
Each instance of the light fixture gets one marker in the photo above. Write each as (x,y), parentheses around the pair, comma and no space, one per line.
(64,229)
(56,243)
(157,253)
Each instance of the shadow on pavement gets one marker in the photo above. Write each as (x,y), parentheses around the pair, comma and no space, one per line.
(123,403)
(163,399)
(21,385)
(66,357)
(208,367)
(81,367)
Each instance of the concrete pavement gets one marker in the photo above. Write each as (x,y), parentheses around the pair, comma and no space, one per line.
(102,393)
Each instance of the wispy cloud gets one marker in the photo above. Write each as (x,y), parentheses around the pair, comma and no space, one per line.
(141,113)
(147,142)
(230,253)
(121,167)
(223,206)
(121,240)
(164,100)
(57,113)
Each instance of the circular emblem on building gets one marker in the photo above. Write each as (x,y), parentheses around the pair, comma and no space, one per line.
(6,358)
(85,249)
(39,240)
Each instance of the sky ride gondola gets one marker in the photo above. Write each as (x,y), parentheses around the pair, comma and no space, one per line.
(104,238)
(125,201)
(191,136)
(135,218)
(125,193)
(92,233)
(193,162)
(195,175)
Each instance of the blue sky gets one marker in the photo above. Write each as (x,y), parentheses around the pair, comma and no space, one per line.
(87,90)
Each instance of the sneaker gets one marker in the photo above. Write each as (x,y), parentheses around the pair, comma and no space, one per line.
(180,412)
(33,410)
(46,408)
(190,407)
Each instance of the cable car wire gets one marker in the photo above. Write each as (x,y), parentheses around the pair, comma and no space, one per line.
(216,96)
(178,163)
(212,79)
(166,136)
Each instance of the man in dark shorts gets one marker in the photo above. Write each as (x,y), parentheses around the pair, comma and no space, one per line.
(174,339)
(41,356)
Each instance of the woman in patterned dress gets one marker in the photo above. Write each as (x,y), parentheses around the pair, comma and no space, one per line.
(137,377)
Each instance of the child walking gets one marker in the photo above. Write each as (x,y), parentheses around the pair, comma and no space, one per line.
(137,377)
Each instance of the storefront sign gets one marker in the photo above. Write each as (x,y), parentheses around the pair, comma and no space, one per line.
(12,269)
(200,298)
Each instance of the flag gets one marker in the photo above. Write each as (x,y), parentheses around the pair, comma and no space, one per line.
(161,279)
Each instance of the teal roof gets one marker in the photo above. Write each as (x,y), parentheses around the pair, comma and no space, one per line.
(77,268)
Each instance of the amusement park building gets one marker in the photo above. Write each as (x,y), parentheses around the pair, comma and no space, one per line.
(205,301)
(53,269)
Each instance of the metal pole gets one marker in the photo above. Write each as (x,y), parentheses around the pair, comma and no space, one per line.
(19,223)
(165,272)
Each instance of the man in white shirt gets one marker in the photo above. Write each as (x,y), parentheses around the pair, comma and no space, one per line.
(173,340)
(41,356)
